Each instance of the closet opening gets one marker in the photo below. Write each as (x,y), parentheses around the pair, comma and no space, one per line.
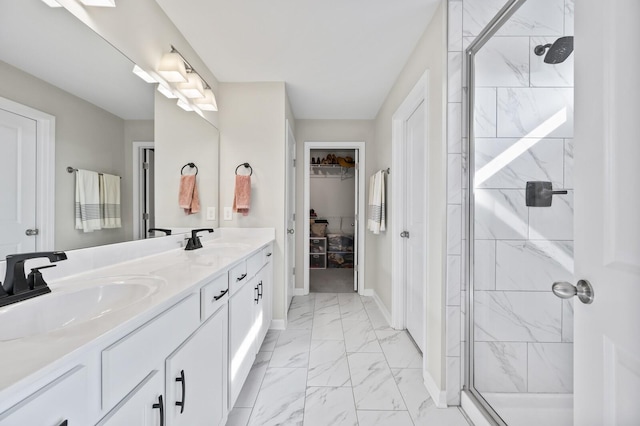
(333,201)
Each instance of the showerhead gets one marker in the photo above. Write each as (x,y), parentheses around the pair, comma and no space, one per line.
(558,52)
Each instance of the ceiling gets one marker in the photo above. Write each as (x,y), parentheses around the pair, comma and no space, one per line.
(339,58)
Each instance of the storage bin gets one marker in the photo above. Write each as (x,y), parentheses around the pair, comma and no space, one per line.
(318,230)
(317,245)
(340,260)
(340,242)
(317,261)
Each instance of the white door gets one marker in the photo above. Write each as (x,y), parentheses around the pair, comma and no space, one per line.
(17,183)
(607,218)
(415,223)
(356,215)
(290,244)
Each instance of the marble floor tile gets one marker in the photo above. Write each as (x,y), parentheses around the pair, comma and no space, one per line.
(300,316)
(325,299)
(239,417)
(359,336)
(292,349)
(269,343)
(327,326)
(281,398)
(330,406)
(411,385)
(399,350)
(384,418)
(328,364)
(251,387)
(373,385)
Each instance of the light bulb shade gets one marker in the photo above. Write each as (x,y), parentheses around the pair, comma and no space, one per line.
(99,3)
(193,88)
(184,105)
(172,68)
(166,91)
(143,74)
(208,102)
(52,3)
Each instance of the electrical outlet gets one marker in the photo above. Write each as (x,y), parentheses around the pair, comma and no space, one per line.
(211,213)
(228,213)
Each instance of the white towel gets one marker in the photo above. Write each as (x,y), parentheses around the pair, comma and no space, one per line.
(110,201)
(87,204)
(377,205)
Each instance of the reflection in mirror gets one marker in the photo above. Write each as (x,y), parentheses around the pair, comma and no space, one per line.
(52,63)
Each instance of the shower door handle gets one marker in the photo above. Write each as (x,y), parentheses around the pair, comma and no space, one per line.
(565,290)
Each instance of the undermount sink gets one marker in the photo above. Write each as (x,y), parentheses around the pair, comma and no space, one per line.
(69,306)
(221,246)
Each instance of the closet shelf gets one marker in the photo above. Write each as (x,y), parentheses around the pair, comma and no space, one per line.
(331,171)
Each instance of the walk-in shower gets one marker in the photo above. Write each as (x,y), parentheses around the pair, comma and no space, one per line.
(519,81)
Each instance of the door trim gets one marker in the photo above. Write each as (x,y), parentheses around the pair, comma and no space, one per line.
(45,163)
(418,95)
(287,264)
(137,186)
(360,146)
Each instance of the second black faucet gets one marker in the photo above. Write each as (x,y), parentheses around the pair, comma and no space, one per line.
(194,242)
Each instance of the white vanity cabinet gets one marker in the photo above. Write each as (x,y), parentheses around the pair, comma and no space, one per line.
(62,402)
(143,406)
(196,376)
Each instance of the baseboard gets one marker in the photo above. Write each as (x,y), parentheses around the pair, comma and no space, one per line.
(438,396)
(368,292)
(383,309)
(277,324)
(299,292)
(472,410)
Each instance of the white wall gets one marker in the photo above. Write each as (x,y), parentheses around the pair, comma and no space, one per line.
(184,137)
(87,137)
(429,54)
(323,131)
(252,130)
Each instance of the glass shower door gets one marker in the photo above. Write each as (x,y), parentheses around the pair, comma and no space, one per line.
(521,233)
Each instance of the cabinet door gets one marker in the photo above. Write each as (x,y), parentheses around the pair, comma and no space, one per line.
(196,376)
(143,406)
(263,310)
(63,400)
(242,336)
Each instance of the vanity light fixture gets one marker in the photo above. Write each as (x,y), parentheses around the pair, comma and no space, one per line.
(184,105)
(208,103)
(99,3)
(172,67)
(168,93)
(52,3)
(143,74)
(193,87)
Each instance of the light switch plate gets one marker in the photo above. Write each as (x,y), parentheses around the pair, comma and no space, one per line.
(211,213)
(228,214)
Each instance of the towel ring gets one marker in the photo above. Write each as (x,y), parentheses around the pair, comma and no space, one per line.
(246,165)
(192,165)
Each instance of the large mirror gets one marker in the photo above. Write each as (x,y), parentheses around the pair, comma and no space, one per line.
(105,121)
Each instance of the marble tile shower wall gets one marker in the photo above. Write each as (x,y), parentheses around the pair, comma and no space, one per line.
(523,112)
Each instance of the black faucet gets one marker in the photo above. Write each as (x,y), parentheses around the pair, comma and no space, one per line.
(194,241)
(166,231)
(16,286)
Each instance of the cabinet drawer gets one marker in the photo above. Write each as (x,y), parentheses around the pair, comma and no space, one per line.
(64,399)
(317,245)
(237,277)
(267,253)
(317,261)
(213,295)
(254,263)
(128,361)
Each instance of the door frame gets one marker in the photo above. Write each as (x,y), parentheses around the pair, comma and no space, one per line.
(418,95)
(137,185)
(360,220)
(290,173)
(45,166)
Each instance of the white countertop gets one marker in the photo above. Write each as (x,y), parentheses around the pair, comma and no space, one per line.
(29,359)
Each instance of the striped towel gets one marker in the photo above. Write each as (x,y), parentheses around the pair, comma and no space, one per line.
(110,201)
(377,205)
(87,204)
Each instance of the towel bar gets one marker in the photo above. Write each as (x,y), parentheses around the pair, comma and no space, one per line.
(71,170)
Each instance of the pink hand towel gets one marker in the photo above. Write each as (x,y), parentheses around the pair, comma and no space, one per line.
(242,195)
(188,197)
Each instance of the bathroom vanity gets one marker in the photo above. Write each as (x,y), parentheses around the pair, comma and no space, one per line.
(167,339)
